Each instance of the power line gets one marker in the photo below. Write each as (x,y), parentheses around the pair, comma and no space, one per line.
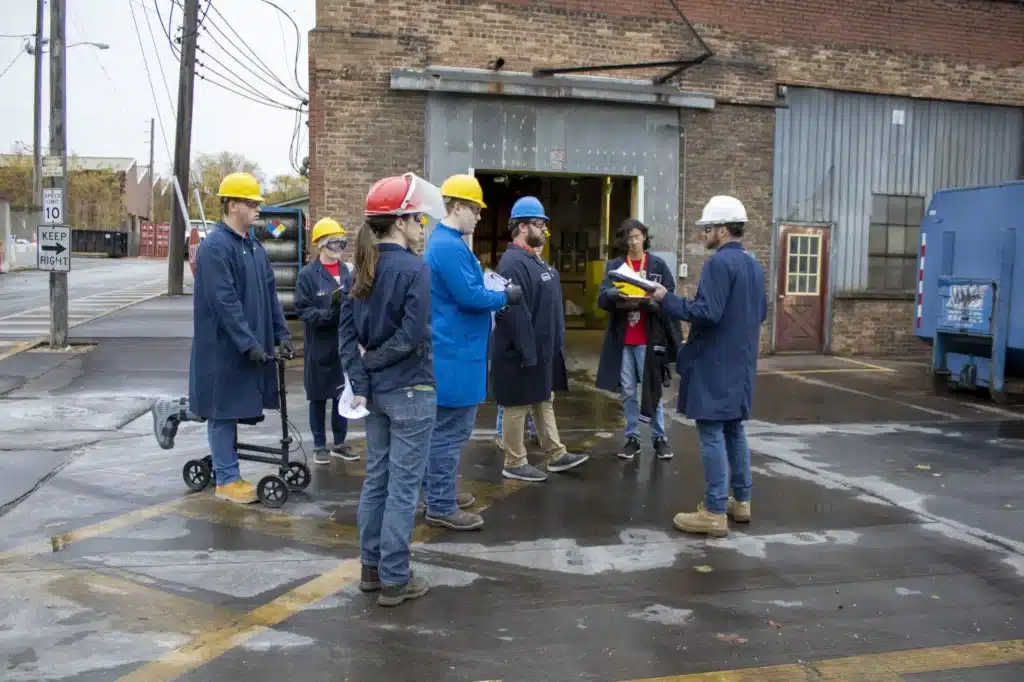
(298,39)
(242,79)
(160,64)
(16,57)
(208,79)
(152,89)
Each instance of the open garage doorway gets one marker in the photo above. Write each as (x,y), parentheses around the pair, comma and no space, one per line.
(585,211)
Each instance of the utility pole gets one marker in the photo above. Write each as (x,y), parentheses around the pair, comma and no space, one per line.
(37,116)
(182,148)
(58,147)
(152,177)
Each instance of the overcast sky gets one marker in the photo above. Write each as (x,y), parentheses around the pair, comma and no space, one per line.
(109,100)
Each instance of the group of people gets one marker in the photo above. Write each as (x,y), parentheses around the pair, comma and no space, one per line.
(416,337)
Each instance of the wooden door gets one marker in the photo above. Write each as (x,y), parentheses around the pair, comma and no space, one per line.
(802,288)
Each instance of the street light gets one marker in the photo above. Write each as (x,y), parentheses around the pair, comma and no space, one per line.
(99,46)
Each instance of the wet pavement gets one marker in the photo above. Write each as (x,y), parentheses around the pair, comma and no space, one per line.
(887,542)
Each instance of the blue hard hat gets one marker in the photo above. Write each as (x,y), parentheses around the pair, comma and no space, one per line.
(527,207)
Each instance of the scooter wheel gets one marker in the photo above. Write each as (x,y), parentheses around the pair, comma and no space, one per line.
(298,476)
(272,491)
(197,474)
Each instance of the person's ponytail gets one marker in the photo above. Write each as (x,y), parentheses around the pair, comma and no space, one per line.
(365,262)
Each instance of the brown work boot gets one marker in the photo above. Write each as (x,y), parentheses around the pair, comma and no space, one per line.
(239,492)
(702,522)
(738,511)
(465,500)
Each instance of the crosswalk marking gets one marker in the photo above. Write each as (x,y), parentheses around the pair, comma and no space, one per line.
(36,322)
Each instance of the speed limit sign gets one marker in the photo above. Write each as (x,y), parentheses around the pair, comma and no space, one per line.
(53,206)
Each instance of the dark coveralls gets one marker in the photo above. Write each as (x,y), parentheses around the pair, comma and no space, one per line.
(717,366)
(322,374)
(235,308)
(527,361)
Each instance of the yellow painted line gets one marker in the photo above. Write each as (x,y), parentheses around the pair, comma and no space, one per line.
(884,667)
(22,347)
(210,645)
(128,605)
(62,541)
(869,366)
(326,533)
(844,370)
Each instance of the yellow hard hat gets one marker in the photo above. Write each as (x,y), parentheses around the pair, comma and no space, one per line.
(240,186)
(464,187)
(326,227)
(627,289)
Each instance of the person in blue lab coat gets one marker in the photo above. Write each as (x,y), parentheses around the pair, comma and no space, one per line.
(527,355)
(386,350)
(237,321)
(461,308)
(320,287)
(718,364)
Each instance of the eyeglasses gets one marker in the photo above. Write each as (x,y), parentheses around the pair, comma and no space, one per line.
(335,244)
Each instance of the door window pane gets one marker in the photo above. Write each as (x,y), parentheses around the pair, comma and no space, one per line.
(915,210)
(878,208)
(913,241)
(876,239)
(876,273)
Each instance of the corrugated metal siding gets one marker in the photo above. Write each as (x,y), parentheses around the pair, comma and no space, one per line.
(505,133)
(833,150)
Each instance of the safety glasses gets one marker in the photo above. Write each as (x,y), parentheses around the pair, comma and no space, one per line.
(335,244)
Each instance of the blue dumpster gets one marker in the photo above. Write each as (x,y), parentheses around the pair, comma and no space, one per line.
(971,277)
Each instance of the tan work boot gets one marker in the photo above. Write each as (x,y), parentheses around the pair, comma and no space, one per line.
(738,511)
(703,522)
(239,492)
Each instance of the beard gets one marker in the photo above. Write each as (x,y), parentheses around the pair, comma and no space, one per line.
(535,241)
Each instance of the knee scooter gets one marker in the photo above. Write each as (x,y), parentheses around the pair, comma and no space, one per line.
(198,473)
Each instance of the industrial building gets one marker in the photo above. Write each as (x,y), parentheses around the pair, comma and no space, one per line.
(833,122)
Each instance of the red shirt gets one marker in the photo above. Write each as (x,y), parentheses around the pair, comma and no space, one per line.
(333,269)
(636,320)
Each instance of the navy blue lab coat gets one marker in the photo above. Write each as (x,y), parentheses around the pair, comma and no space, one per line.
(392,324)
(235,308)
(718,363)
(321,373)
(609,367)
(527,360)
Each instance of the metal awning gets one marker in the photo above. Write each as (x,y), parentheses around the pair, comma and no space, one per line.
(518,84)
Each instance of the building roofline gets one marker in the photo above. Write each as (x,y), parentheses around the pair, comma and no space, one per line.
(511,83)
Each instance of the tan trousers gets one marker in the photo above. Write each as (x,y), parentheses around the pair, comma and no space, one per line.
(513,429)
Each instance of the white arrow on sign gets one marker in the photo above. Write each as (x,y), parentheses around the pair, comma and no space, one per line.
(53,248)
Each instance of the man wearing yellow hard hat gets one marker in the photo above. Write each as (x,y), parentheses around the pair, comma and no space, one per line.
(319,290)
(461,308)
(237,322)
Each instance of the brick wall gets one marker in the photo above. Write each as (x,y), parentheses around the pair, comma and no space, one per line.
(360,130)
(875,327)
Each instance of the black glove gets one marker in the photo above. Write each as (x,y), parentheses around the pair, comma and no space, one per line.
(613,293)
(651,305)
(513,294)
(257,355)
(287,349)
(336,297)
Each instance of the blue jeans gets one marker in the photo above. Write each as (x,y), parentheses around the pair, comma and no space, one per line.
(221,434)
(726,455)
(397,441)
(501,418)
(452,429)
(318,423)
(629,378)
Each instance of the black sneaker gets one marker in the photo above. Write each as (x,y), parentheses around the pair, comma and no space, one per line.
(369,580)
(631,449)
(661,449)
(393,595)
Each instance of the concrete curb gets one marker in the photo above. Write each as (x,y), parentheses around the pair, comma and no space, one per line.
(22,347)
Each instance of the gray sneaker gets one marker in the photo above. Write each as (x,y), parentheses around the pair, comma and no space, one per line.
(460,520)
(393,595)
(345,452)
(567,461)
(320,456)
(525,472)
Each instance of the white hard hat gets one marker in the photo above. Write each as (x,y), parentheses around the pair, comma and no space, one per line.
(722,210)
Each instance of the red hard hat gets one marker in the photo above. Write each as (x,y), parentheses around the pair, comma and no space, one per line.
(391,196)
